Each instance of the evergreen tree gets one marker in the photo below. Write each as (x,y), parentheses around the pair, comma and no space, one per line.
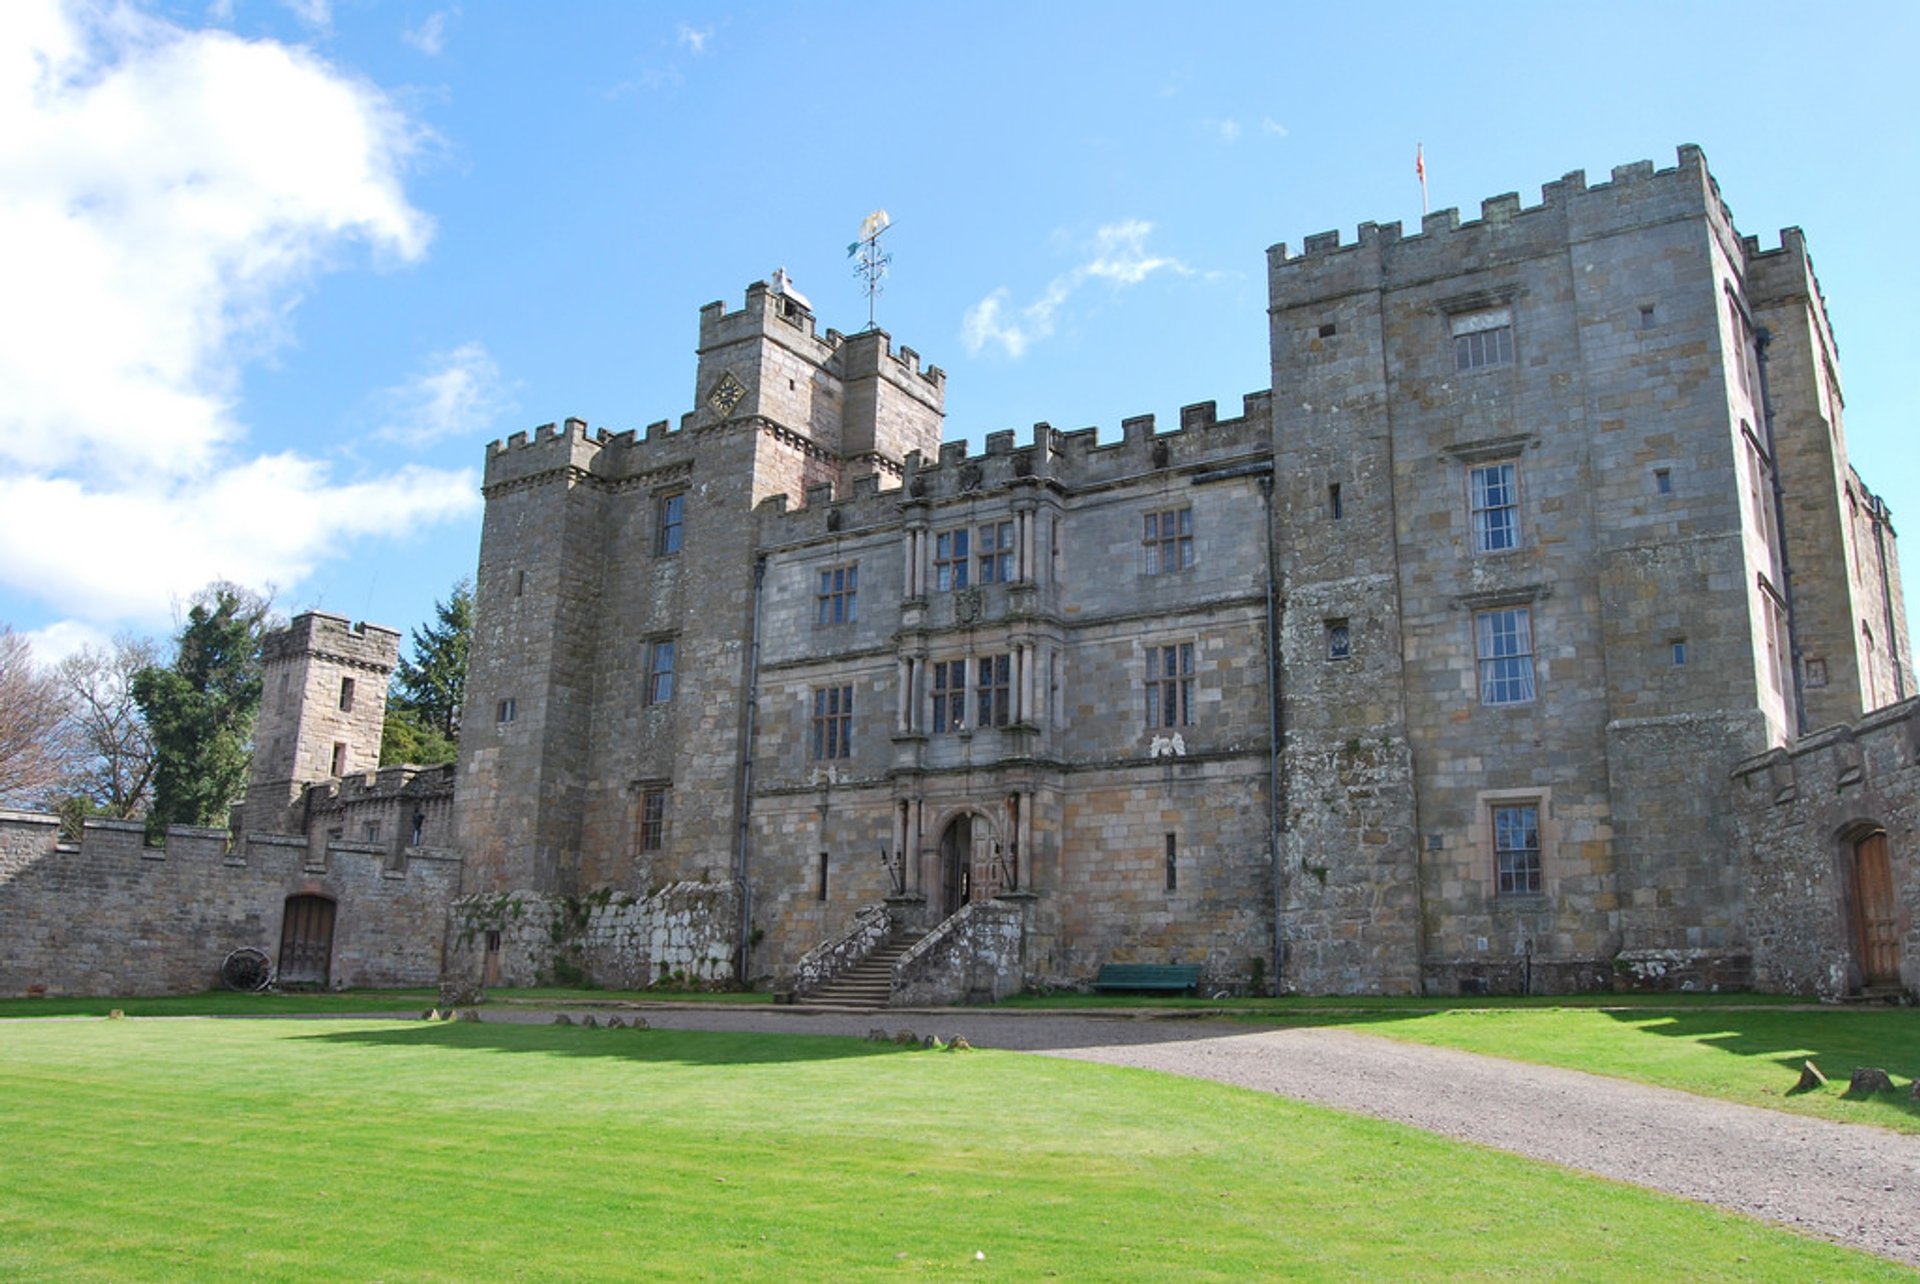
(423,703)
(200,709)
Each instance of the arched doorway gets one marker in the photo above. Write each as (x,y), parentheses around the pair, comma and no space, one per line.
(1876,932)
(966,858)
(306,941)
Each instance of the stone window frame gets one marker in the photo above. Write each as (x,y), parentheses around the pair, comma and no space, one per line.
(650,817)
(951,559)
(832,725)
(1501,679)
(661,656)
(670,521)
(993,690)
(837,601)
(993,552)
(1482,339)
(506,711)
(947,681)
(1339,638)
(1166,540)
(1168,685)
(1493,505)
(339,758)
(1483,839)
(1518,860)
(346,695)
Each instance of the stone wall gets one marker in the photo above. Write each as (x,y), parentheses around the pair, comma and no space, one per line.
(973,957)
(110,916)
(1798,817)
(683,935)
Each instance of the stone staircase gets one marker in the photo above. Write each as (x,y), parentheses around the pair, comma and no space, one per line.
(868,984)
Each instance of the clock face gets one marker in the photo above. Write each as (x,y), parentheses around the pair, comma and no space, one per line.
(726,394)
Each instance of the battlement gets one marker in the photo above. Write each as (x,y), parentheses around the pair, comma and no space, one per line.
(767,313)
(398,781)
(1066,460)
(1636,194)
(310,632)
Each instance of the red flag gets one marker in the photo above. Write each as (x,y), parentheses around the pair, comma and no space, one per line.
(1420,172)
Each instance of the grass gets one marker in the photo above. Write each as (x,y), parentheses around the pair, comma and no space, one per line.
(451,1151)
(227,1003)
(1747,1055)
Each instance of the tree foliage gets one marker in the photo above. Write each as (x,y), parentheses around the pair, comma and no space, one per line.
(34,748)
(423,703)
(200,709)
(111,772)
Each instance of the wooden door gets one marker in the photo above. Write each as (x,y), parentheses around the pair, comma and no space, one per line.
(1876,932)
(306,941)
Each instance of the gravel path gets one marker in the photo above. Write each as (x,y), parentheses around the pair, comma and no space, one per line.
(1852,1184)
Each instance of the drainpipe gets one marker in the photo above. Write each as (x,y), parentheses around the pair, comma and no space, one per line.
(1761,338)
(743,950)
(1276,766)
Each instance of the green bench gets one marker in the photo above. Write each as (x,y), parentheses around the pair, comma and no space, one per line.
(1179,978)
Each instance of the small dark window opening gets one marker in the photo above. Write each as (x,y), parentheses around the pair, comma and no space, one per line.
(1339,640)
(1646,317)
(1328,330)
(493,941)
(1173,870)
(1334,510)
(520,584)
(419,828)
(823,876)
(1679,651)
(1663,481)
(339,758)
(506,711)
(346,695)
(1816,671)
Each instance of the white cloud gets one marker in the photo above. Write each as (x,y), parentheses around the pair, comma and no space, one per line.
(458,393)
(1228,129)
(430,37)
(64,638)
(1268,125)
(1118,255)
(695,38)
(317,14)
(165,196)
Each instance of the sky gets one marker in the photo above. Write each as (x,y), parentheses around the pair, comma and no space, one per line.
(278,270)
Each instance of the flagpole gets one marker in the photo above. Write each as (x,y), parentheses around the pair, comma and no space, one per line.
(1420,172)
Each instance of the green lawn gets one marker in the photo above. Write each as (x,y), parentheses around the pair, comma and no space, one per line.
(1744,1054)
(227,1003)
(458,1151)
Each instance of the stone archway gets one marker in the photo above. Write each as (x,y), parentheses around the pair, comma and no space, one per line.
(966,861)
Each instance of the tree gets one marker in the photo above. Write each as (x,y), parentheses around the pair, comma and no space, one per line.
(200,709)
(423,704)
(33,744)
(111,774)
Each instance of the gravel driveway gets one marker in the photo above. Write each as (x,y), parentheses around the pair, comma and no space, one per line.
(1853,1184)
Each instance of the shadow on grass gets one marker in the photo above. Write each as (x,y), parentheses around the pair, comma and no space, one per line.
(681,1047)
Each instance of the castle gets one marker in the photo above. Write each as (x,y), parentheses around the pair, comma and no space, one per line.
(1531,633)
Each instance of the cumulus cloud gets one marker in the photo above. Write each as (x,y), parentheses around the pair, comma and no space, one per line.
(1118,255)
(456,393)
(695,38)
(430,37)
(165,197)
(317,14)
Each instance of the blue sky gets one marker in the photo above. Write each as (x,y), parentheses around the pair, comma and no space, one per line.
(281,270)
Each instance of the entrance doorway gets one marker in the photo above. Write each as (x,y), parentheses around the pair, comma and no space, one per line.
(966,861)
(1875,931)
(306,941)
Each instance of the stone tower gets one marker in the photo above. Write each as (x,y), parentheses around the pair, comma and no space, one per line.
(607,694)
(322,707)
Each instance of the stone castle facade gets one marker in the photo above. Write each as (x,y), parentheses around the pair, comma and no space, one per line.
(1532,632)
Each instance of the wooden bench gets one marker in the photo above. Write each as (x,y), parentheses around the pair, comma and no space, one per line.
(1176,977)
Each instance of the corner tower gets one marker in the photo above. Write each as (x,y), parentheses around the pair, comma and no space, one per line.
(322,708)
